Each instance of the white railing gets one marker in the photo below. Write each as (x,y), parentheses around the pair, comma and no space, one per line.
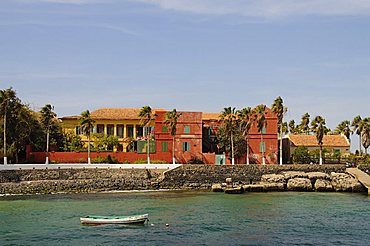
(82,166)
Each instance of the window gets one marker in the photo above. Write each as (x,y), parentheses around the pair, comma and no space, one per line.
(100,128)
(78,130)
(130,131)
(164,146)
(262,147)
(336,151)
(120,131)
(148,130)
(164,129)
(263,130)
(186,129)
(139,131)
(186,146)
(110,130)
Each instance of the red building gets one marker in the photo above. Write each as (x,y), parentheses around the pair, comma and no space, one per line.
(188,138)
(267,141)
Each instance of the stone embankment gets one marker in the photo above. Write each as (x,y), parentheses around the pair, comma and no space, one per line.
(196,177)
(77,180)
(301,181)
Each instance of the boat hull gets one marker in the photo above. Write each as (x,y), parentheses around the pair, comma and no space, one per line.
(102,220)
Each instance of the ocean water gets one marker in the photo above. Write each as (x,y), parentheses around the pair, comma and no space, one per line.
(194,218)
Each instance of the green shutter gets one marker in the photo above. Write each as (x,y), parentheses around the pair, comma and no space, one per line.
(164,129)
(185,146)
(262,147)
(164,146)
(186,129)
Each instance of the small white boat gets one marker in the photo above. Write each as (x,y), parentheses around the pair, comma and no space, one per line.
(101,220)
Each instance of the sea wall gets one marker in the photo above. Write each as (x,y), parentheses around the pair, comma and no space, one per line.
(76,180)
(203,176)
(184,177)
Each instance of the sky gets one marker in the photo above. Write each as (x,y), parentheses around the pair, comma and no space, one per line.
(191,55)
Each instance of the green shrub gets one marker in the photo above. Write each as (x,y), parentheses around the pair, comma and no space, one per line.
(301,155)
(140,161)
(158,162)
(98,159)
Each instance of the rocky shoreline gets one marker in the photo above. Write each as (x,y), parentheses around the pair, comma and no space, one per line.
(253,178)
(298,181)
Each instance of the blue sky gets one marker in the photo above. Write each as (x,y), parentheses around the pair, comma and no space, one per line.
(189,54)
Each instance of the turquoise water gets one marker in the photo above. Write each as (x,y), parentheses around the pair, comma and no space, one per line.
(194,218)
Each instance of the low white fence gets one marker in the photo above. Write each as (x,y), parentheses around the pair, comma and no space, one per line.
(82,166)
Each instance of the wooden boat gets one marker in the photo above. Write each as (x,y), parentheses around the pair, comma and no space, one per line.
(101,220)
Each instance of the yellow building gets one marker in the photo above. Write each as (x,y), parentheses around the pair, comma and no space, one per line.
(124,123)
(331,143)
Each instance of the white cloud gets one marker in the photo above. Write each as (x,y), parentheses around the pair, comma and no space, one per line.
(266,8)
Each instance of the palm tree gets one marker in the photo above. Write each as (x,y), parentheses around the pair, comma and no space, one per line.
(6,96)
(293,128)
(87,124)
(279,109)
(261,126)
(171,118)
(318,126)
(344,128)
(246,121)
(229,118)
(357,128)
(305,123)
(365,133)
(146,116)
(47,117)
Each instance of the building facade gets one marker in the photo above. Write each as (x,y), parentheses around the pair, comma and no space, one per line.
(332,144)
(195,137)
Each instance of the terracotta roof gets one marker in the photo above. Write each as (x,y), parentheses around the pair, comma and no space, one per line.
(118,113)
(113,114)
(211,116)
(328,140)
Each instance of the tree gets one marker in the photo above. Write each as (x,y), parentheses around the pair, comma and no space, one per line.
(279,109)
(344,128)
(365,134)
(293,128)
(6,98)
(229,120)
(245,116)
(146,117)
(357,128)
(239,142)
(87,124)
(319,128)
(304,126)
(261,126)
(301,155)
(47,117)
(171,118)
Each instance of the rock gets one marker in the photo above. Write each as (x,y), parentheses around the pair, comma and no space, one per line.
(345,182)
(323,185)
(318,175)
(235,190)
(299,184)
(217,188)
(294,174)
(273,178)
(253,187)
(273,186)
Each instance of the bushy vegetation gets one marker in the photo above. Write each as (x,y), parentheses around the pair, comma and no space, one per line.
(109,159)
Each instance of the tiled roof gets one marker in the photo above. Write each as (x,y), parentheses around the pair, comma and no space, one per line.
(118,113)
(328,140)
(211,116)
